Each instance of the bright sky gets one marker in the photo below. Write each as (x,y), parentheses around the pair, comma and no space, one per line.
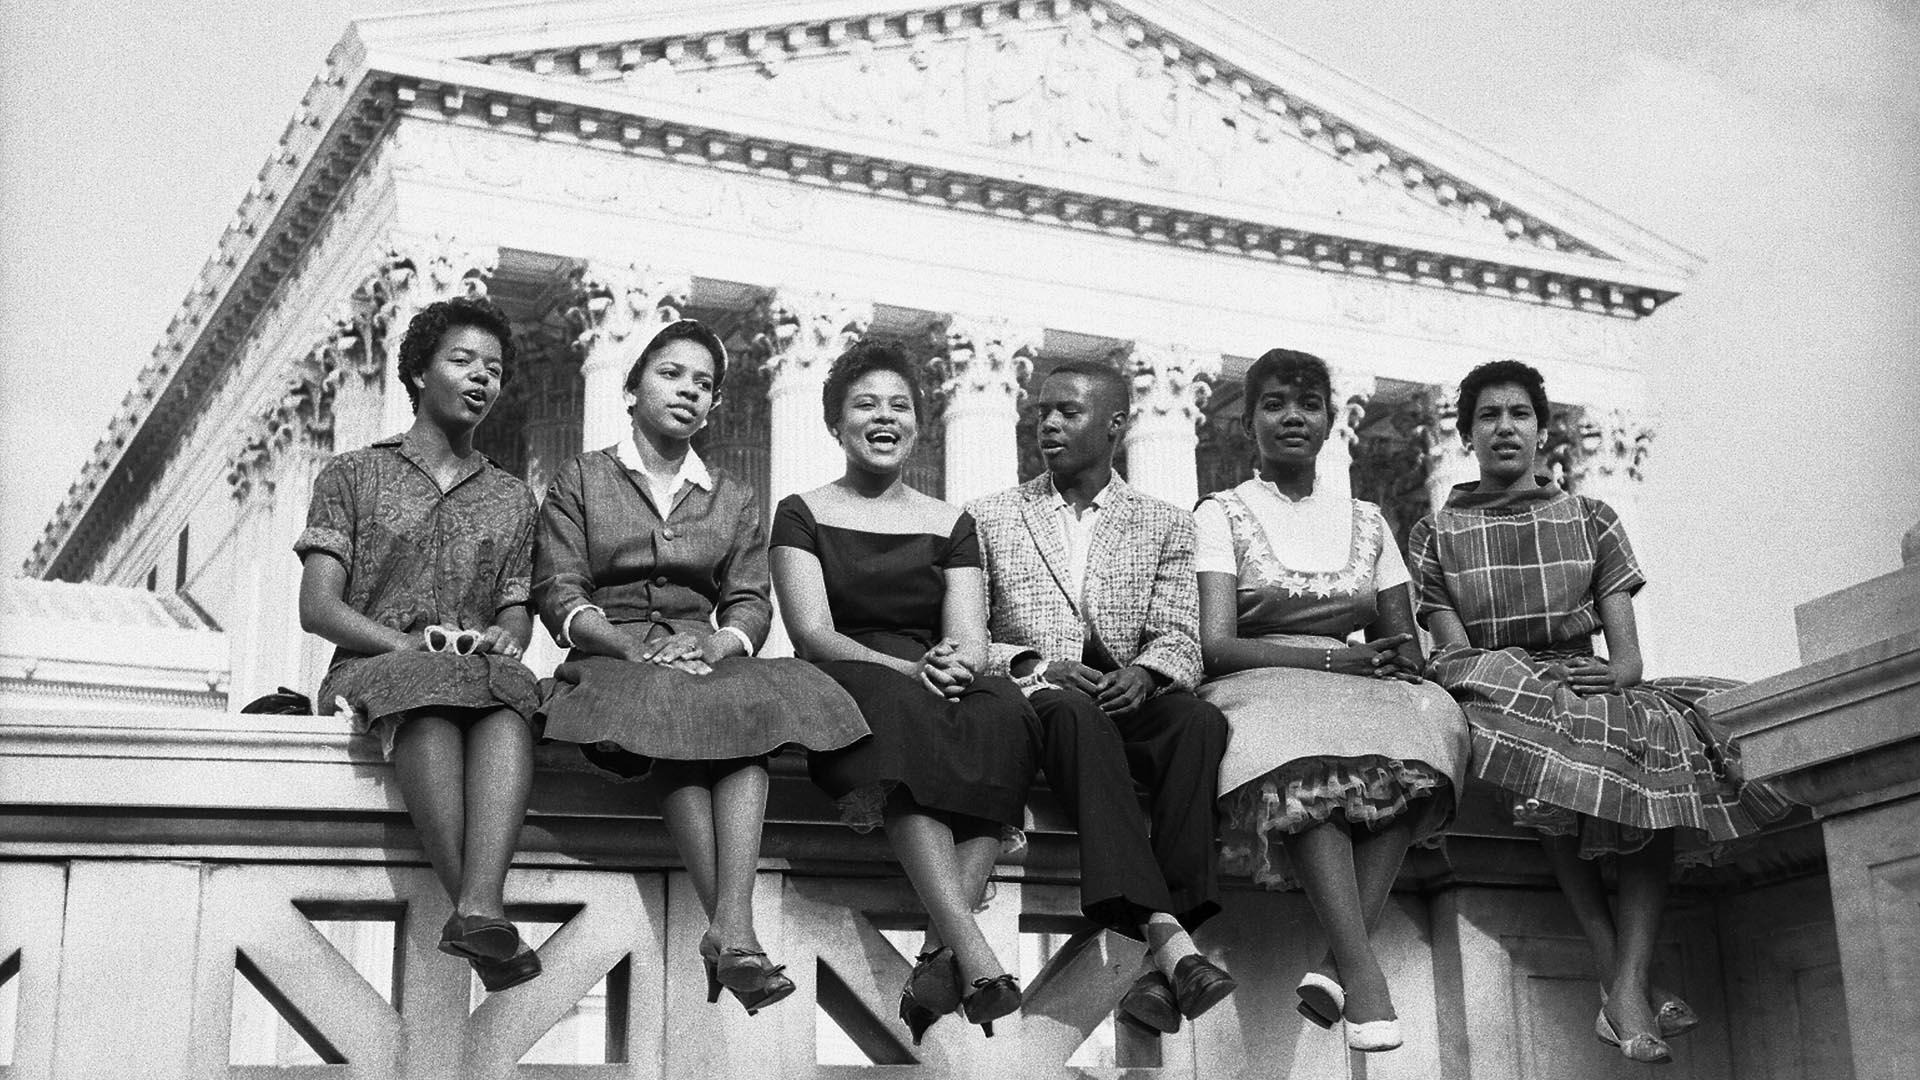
(1781,140)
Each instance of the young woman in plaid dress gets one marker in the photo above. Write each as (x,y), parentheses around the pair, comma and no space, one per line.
(1515,576)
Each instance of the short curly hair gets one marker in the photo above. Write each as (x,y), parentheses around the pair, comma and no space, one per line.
(861,359)
(681,330)
(1498,373)
(1286,367)
(427,328)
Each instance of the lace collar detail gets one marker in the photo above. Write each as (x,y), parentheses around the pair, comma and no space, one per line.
(1259,561)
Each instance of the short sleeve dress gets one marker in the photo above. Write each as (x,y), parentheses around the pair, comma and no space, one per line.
(973,757)
(700,565)
(1308,746)
(417,556)
(1525,572)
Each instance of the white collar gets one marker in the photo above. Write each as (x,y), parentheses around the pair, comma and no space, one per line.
(1311,498)
(1098,502)
(692,469)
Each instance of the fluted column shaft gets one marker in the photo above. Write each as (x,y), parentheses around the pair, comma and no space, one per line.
(620,307)
(1170,390)
(1333,472)
(982,375)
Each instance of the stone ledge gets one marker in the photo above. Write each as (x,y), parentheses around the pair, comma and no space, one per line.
(200,784)
(1838,733)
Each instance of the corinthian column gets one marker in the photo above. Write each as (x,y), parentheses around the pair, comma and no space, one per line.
(982,377)
(621,307)
(415,272)
(800,334)
(1614,447)
(271,474)
(1333,472)
(1449,462)
(357,366)
(1169,391)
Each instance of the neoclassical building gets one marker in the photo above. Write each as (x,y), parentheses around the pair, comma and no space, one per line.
(1003,186)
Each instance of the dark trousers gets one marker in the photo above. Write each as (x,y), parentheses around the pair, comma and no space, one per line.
(1171,745)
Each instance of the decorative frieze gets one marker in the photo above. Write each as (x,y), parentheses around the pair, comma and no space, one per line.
(1070,86)
(981,375)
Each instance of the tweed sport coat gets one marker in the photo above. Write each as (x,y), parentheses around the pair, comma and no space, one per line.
(1142,599)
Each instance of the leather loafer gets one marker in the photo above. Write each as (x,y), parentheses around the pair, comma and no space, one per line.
(1198,985)
(498,975)
(1150,1003)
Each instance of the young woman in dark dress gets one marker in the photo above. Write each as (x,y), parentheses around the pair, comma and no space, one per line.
(1514,577)
(409,542)
(653,569)
(881,586)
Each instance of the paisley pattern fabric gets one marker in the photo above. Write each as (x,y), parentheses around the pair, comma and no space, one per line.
(417,555)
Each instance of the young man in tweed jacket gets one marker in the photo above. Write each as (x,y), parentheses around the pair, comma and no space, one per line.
(1095,611)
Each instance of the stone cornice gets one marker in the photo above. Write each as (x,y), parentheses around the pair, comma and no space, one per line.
(325,142)
(976,180)
(605,40)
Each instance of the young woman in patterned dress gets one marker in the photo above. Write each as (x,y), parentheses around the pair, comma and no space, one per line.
(652,568)
(1340,757)
(417,533)
(1515,576)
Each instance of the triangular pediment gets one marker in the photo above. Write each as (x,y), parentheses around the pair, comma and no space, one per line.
(1160,99)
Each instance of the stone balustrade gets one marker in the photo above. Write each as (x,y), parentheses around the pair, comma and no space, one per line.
(175,882)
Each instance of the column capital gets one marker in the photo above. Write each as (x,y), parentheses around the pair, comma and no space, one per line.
(1438,427)
(615,303)
(1352,390)
(1170,382)
(983,356)
(417,269)
(301,418)
(1613,444)
(799,330)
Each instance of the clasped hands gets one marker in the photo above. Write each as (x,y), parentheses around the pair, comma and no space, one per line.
(451,639)
(1590,676)
(682,650)
(1117,692)
(1378,659)
(943,672)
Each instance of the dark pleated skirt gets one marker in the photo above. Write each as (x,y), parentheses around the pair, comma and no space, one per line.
(626,714)
(386,690)
(973,756)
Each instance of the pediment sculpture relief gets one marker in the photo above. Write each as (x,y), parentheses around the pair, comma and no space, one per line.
(1072,95)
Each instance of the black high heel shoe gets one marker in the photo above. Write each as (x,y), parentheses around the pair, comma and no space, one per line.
(747,974)
(991,999)
(932,991)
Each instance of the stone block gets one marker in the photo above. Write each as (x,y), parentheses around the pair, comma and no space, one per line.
(1859,615)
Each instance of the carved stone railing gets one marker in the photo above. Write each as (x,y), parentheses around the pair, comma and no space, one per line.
(200,894)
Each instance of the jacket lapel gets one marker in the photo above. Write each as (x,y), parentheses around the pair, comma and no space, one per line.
(1108,547)
(1037,513)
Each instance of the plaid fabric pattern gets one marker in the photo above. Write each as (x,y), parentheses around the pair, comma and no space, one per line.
(1609,769)
(1141,601)
(1528,575)
(1613,768)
